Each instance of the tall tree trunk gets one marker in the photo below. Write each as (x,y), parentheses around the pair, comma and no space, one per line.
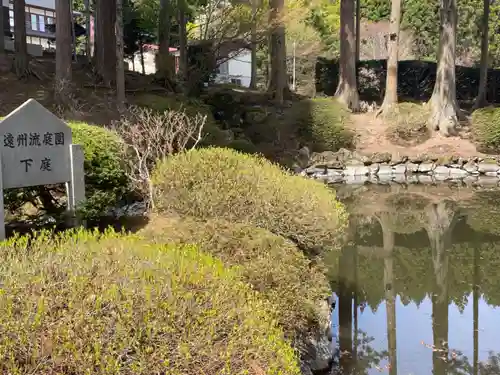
(20,45)
(278,86)
(441,221)
(358,30)
(475,312)
(183,62)
(440,313)
(483,72)
(120,67)
(253,46)
(347,92)
(141,52)
(165,61)
(105,56)
(2,29)
(391,86)
(88,47)
(445,111)
(63,51)
(390,294)
(355,303)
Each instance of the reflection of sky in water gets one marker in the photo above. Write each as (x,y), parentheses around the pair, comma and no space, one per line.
(414,325)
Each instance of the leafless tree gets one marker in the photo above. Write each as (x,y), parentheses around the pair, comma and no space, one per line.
(151,136)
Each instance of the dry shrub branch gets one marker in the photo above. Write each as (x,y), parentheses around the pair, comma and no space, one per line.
(150,136)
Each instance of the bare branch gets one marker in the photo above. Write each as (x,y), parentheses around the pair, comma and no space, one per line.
(150,136)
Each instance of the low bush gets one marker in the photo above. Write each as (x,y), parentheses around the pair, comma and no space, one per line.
(486,129)
(114,305)
(222,183)
(323,124)
(271,264)
(408,124)
(106,181)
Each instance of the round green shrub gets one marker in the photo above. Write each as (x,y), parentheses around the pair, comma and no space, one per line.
(323,124)
(486,129)
(273,265)
(106,181)
(408,124)
(223,183)
(118,305)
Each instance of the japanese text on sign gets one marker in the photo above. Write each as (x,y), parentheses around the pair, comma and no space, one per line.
(33,139)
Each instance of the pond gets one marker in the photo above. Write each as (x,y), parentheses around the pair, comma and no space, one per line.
(418,281)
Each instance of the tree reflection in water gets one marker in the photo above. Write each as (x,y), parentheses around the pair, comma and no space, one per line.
(417,246)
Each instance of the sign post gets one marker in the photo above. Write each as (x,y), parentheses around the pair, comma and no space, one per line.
(36,149)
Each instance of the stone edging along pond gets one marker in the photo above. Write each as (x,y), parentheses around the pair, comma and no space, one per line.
(347,166)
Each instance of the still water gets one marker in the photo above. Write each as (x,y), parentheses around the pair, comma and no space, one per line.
(418,281)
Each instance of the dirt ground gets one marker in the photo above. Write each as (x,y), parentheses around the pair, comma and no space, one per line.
(371,138)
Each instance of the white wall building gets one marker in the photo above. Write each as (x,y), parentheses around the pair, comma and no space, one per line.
(237,69)
(39,14)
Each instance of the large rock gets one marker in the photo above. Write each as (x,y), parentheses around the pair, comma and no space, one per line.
(339,159)
(381,157)
(303,157)
(316,348)
(488,167)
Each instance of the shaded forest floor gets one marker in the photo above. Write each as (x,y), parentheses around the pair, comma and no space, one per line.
(91,102)
(371,137)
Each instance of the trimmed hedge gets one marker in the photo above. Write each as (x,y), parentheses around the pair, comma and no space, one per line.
(222,183)
(271,264)
(116,305)
(106,180)
(322,124)
(486,129)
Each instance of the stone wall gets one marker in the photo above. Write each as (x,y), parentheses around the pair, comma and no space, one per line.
(347,166)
